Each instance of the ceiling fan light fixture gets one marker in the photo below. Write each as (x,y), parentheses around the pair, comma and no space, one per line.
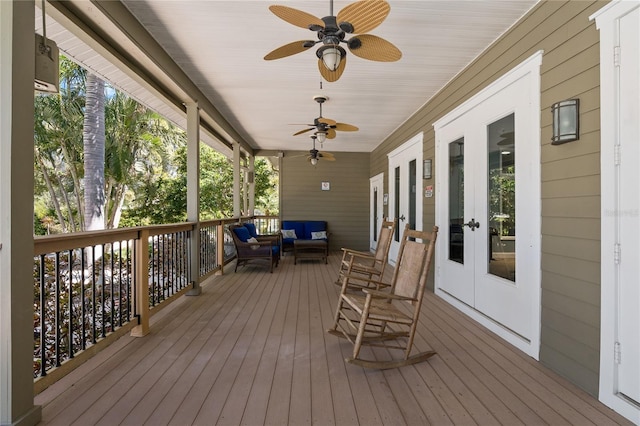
(314,161)
(331,55)
(322,136)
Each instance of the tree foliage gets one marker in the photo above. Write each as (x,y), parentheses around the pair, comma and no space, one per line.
(144,164)
(165,201)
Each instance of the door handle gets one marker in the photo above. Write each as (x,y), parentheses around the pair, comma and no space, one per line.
(472,224)
(402,218)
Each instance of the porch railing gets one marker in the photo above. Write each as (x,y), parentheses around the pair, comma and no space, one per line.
(93,287)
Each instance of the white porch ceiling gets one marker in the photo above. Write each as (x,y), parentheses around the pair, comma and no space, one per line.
(220,46)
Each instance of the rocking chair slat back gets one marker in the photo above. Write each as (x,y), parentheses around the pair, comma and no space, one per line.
(384,241)
(410,269)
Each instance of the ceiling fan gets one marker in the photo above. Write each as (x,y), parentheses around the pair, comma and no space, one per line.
(325,127)
(506,139)
(315,155)
(356,18)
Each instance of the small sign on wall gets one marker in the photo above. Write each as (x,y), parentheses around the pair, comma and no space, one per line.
(326,186)
(428,191)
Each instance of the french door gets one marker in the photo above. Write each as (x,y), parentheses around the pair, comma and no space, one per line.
(488,208)
(405,189)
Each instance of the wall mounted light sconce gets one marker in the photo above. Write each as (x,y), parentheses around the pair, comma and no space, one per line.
(426,168)
(566,121)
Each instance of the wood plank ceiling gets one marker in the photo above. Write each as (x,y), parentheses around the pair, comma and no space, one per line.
(220,46)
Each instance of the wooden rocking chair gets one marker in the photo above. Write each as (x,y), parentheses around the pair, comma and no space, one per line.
(375,317)
(367,264)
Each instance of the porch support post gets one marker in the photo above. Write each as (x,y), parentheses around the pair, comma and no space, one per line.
(141,295)
(220,247)
(16,213)
(251,189)
(236,181)
(193,192)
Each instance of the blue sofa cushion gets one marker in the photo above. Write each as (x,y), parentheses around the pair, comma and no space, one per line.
(252,229)
(242,233)
(313,226)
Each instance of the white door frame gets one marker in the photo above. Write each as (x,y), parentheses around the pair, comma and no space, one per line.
(376,186)
(611,126)
(528,243)
(408,151)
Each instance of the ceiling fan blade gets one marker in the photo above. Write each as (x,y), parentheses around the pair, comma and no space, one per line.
(303,131)
(287,50)
(295,17)
(332,76)
(326,156)
(344,127)
(374,48)
(505,142)
(364,15)
(331,134)
(327,121)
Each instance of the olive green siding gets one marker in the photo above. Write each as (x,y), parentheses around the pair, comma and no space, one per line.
(345,206)
(570,173)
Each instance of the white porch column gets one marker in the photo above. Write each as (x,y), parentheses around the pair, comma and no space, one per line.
(16,213)
(193,191)
(251,190)
(236,180)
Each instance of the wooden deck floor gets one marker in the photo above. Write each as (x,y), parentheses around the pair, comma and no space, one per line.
(252,349)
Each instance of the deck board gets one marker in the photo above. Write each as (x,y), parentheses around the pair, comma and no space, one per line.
(253,349)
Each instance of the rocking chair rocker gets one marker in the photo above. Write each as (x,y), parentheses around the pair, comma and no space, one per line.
(375,317)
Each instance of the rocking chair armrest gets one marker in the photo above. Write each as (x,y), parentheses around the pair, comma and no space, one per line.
(359,281)
(356,252)
(377,294)
(361,255)
(365,279)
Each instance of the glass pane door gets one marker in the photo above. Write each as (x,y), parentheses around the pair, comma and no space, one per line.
(396,204)
(456,200)
(501,198)
(412,195)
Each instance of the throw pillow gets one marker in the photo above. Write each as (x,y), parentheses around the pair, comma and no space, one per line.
(253,246)
(242,233)
(289,233)
(252,229)
(320,235)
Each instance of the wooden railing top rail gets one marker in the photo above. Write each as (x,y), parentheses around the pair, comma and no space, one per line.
(60,242)
(224,221)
